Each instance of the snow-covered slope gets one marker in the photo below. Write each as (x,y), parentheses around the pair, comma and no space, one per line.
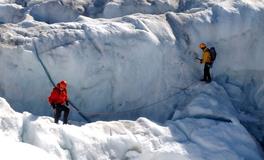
(190,137)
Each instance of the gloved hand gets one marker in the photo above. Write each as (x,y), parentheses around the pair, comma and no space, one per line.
(67,103)
(201,61)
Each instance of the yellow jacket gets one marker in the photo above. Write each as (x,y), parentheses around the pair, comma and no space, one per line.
(206,57)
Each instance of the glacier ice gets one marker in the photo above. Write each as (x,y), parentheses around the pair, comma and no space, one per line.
(110,55)
(120,55)
(187,138)
(11,13)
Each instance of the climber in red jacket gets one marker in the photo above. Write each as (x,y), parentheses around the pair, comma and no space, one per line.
(59,100)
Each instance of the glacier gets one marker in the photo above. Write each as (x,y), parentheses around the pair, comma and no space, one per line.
(198,133)
(126,59)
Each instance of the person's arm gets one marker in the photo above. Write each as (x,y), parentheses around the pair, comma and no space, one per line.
(52,98)
(202,61)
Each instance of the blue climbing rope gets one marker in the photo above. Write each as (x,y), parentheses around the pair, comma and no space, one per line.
(53,83)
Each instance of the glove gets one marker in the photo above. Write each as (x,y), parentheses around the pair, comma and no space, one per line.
(201,61)
(67,103)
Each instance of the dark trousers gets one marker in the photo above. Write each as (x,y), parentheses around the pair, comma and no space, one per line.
(207,76)
(58,109)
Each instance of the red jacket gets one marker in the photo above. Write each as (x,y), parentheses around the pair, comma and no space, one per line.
(58,96)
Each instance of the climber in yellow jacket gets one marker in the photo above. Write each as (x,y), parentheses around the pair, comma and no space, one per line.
(206,60)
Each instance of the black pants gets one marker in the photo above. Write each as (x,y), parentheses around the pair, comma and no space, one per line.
(58,109)
(207,76)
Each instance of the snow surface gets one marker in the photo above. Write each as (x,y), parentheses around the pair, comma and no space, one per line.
(187,138)
(142,60)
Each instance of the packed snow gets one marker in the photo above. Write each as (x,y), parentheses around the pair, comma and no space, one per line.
(184,138)
(125,59)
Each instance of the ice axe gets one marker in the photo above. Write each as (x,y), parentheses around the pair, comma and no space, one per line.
(196,58)
(195,55)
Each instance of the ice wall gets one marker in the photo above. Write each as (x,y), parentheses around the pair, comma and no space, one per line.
(101,8)
(11,13)
(122,63)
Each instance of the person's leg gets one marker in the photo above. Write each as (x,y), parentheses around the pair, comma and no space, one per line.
(57,114)
(207,73)
(66,114)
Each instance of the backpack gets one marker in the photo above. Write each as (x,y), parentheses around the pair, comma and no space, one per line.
(212,54)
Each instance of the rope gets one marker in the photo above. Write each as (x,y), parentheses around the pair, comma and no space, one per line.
(43,65)
(151,105)
(79,112)
(53,84)
(82,114)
